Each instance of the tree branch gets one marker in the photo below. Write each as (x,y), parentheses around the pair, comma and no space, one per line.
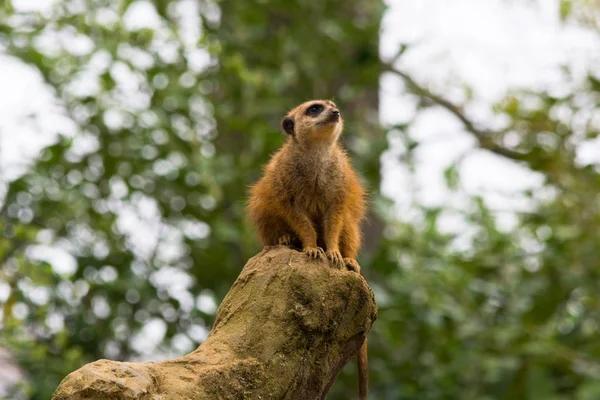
(483,136)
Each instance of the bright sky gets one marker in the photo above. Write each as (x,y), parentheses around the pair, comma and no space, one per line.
(493,46)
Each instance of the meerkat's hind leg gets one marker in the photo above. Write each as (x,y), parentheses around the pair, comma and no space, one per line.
(349,245)
(285,240)
(352,265)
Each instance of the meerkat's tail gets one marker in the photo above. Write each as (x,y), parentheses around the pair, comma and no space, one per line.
(363,372)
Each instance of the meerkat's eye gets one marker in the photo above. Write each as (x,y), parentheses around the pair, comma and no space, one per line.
(314,109)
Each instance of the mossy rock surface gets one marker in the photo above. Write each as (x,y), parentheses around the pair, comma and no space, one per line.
(284,331)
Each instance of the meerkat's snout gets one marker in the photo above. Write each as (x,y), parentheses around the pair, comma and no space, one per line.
(334,115)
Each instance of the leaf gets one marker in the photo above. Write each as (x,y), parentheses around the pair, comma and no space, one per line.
(452,177)
(565,9)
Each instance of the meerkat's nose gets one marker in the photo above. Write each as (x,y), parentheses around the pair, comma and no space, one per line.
(335,111)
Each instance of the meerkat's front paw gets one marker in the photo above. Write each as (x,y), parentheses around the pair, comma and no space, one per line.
(285,240)
(352,265)
(314,252)
(335,257)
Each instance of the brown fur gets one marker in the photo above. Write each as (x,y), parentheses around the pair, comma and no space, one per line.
(310,197)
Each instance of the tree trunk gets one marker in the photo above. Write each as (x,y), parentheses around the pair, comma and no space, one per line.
(284,331)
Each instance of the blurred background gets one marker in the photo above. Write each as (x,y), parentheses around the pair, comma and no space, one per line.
(130,131)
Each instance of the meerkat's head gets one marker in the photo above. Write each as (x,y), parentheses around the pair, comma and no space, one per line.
(314,122)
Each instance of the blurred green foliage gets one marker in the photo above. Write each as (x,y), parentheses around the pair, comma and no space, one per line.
(173,121)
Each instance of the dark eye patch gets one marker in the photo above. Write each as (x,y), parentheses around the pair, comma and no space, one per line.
(314,109)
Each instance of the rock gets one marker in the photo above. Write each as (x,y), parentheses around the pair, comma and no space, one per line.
(284,331)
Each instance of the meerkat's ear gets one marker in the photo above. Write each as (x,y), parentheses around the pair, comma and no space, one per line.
(288,125)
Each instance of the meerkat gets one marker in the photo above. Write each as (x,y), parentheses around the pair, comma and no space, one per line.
(310,197)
